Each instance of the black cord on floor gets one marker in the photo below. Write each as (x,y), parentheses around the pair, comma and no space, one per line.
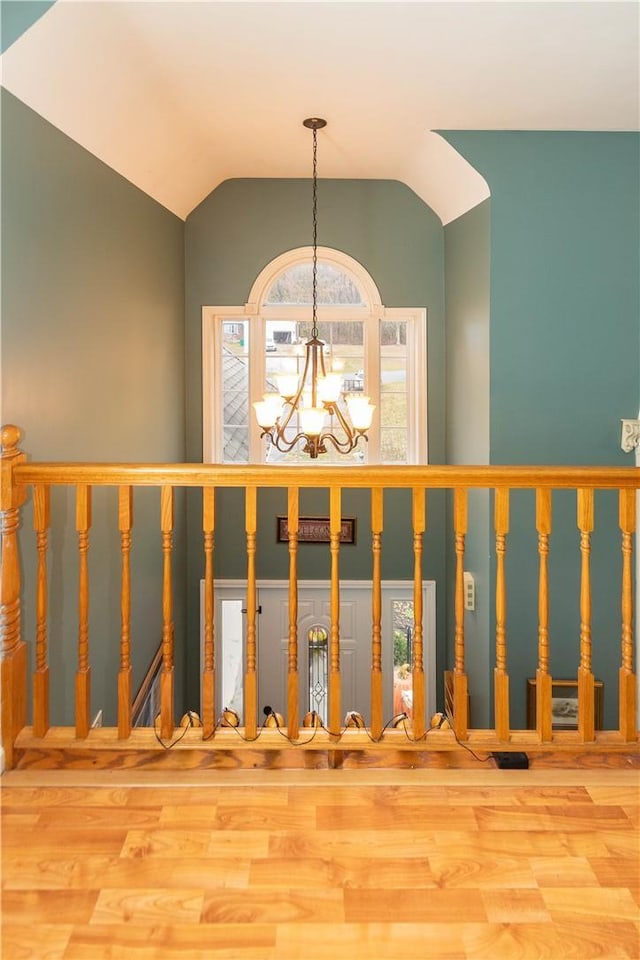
(463,745)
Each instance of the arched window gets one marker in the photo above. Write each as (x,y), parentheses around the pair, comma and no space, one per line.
(380,351)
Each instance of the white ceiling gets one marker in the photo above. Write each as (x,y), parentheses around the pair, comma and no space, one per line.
(178,96)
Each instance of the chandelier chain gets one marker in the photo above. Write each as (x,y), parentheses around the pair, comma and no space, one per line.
(314,330)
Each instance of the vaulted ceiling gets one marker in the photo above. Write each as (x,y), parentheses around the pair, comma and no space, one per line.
(178,96)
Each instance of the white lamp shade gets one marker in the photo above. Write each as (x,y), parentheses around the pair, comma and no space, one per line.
(268,409)
(312,420)
(360,411)
(287,385)
(329,388)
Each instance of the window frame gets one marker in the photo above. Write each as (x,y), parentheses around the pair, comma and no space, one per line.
(256,312)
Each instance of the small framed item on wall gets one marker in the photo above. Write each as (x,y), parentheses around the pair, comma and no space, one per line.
(317,530)
(564,704)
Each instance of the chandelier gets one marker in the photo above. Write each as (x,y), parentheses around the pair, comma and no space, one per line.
(314,397)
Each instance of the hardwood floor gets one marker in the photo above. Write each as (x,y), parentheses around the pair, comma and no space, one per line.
(321,864)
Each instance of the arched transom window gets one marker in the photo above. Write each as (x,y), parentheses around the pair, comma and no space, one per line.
(380,351)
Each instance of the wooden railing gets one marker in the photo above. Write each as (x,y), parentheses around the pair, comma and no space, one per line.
(19,476)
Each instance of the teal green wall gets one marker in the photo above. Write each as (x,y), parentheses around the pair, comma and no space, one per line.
(92,369)
(565,211)
(467,266)
(16,16)
(230,237)
(96,342)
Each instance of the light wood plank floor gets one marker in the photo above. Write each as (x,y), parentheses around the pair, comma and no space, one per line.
(321,864)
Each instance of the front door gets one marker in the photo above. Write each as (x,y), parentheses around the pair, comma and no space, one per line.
(314,628)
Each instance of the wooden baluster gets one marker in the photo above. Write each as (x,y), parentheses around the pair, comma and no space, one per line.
(125,522)
(125,518)
(586,720)
(251,676)
(417,667)
(501,677)
(543,677)
(41,515)
(293,680)
(376,612)
(460,698)
(335,525)
(208,676)
(83,673)
(627,680)
(167,672)
(13,662)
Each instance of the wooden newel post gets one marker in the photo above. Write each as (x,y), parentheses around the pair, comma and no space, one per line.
(13,666)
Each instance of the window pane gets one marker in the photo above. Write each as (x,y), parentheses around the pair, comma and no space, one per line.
(393,374)
(281,336)
(235,391)
(393,410)
(236,409)
(335,333)
(295,286)
(393,445)
(235,445)
(393,333)
(235,337)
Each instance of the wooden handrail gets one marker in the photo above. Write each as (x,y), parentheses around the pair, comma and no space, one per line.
(233,475)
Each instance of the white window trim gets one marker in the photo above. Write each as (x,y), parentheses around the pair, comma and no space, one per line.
(256,312)
(341,261)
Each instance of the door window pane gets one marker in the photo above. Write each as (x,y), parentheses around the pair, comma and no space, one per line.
(232,655)
(318,639)
(402,630)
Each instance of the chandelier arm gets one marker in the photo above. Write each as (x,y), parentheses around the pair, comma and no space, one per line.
(303,378)
(280,444)
(344,446)
(281,425)
(293,402)
(344,423)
